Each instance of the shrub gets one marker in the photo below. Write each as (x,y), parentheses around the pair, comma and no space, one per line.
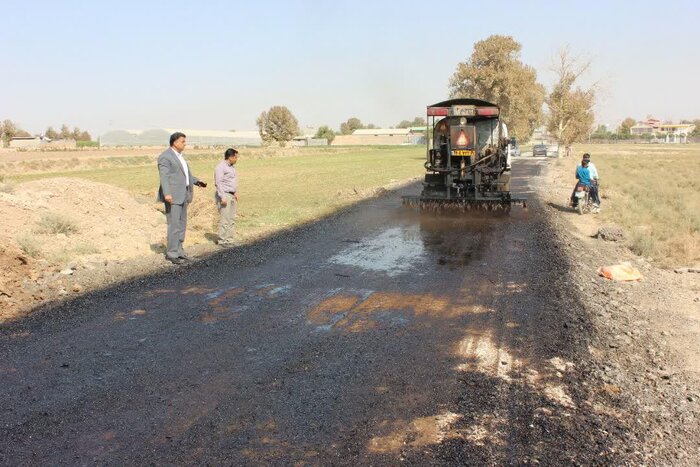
(55,223)
(29,245)
(85,248)
(642,243)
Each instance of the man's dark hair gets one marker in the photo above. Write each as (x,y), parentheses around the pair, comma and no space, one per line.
(230,152)
(586,156)
(176,136)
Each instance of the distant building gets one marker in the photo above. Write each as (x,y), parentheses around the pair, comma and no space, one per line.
(309,141)
(39,142)
(32,142)
(665,132)
(161,137)
(379,136)
(642,128)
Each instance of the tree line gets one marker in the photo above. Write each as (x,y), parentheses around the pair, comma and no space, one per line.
(279,125)
(10,129)
(494,73)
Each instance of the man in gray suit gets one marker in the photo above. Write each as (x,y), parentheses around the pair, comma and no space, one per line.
(176,182)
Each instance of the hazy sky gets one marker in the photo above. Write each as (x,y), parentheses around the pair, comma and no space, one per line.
(217,65)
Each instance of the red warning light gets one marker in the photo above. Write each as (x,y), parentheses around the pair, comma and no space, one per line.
(438,111)
(487,111)
(462,140)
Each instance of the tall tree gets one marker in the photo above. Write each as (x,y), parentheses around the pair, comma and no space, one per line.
(65,132)
(9,130)
(495,73)
(325,132)
(352,124)
(601,132)
(696,130)
(626,125)
(418,121)
(51,133)
(277,125)
(84,136)
(570,117)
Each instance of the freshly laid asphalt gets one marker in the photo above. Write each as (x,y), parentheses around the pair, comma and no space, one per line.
(377,336)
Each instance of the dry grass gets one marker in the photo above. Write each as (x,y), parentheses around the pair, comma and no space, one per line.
(653,192)
(55,223)
(67,255)
(30,245)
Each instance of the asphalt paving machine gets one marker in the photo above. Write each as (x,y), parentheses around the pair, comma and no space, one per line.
(468,158)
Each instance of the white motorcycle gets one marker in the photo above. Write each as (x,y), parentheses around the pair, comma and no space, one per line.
(584,203)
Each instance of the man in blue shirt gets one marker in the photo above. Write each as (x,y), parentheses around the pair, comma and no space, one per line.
(583,175)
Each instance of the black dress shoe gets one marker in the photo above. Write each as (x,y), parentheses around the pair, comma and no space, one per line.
(177,261)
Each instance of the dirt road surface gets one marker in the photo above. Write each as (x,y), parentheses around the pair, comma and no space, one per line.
(379,336)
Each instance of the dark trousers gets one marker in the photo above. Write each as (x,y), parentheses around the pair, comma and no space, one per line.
(593,193)
(176,215)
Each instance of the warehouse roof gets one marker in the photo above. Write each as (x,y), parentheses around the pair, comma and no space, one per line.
(381,131)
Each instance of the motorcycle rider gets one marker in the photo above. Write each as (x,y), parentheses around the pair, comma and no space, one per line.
(583,175)
(594,181)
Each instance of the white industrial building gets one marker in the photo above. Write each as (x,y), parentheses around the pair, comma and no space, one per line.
(161,137)
(381,136)
(39,142)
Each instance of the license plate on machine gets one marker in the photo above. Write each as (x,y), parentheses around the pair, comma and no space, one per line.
(463,152)
(463,110)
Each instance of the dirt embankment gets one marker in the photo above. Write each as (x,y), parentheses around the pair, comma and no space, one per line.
(55,227)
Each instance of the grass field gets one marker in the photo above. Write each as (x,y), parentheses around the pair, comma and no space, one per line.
(650,190)
(275,192)
(653,191)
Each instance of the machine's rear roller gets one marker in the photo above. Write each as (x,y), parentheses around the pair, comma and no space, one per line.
(442,204)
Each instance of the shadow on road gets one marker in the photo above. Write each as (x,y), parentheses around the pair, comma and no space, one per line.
(560,208)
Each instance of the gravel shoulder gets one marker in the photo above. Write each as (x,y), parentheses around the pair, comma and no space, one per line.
(645,344)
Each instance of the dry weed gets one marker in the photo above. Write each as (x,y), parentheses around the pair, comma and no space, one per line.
(29,244)
(56,223)
(202,214)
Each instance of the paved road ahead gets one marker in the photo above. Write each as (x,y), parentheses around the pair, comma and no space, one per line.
(375,336)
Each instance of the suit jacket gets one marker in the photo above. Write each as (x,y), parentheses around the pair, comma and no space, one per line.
(172,178)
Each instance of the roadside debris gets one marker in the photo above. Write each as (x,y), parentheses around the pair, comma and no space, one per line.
(620,272)
(610,233)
